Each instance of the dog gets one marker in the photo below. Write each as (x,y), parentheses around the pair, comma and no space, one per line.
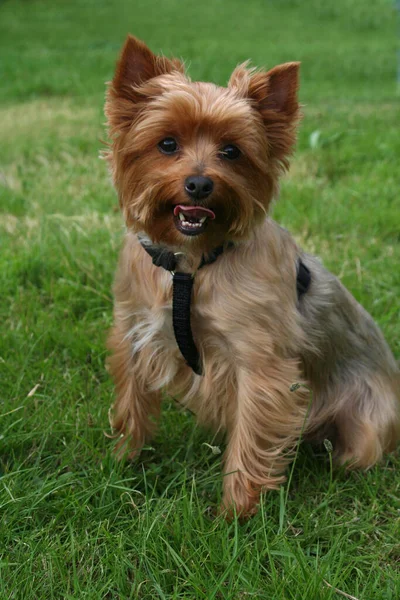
(214,302)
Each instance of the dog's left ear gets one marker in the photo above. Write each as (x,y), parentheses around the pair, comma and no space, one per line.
(276,90)
(274,95)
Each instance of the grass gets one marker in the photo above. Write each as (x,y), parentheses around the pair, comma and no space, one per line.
(74,523)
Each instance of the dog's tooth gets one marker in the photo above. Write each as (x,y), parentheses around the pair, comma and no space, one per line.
(191,224)
(181,216)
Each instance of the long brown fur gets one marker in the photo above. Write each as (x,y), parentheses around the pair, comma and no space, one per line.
(254,336)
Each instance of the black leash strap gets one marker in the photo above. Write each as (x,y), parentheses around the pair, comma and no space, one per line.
(182,284)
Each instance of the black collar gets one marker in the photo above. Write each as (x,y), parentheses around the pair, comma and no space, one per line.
(168,260)
(182,284)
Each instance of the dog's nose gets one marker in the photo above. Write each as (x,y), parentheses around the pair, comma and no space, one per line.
(198,187)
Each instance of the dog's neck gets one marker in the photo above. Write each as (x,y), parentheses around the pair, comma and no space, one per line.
(182,284)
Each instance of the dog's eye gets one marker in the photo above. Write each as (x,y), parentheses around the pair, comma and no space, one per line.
(168,146)
(230,152)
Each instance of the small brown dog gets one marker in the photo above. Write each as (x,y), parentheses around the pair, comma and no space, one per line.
(196,167)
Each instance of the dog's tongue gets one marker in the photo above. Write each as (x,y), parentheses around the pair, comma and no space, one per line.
(194,211)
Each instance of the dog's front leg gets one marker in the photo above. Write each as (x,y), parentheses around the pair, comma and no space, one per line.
(268,423)
(137,404)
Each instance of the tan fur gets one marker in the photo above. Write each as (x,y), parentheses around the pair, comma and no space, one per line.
(254,337)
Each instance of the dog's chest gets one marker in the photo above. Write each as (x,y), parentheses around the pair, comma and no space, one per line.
(153,325)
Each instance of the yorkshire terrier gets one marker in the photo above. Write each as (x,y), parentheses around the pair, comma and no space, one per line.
(215,304)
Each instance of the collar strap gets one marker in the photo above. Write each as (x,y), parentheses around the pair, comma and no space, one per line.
(303,279)
(161,257)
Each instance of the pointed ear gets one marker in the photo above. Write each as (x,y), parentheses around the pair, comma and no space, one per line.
(136,65)
(277,89)
(274,95)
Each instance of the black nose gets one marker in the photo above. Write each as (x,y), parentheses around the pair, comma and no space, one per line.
(198,187)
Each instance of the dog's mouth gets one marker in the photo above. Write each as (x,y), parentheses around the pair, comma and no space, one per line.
(192,220)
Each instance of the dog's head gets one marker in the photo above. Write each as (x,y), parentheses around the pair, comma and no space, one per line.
(193,163)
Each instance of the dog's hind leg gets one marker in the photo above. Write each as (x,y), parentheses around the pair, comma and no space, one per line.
(367,420)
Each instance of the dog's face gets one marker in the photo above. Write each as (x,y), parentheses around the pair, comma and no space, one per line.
(197,164)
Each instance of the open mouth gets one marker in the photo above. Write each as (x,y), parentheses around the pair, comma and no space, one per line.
(192,220)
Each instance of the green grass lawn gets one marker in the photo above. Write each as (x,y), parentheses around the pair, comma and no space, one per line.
(74,523)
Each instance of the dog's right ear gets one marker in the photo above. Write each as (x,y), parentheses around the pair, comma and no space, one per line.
(136,65)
